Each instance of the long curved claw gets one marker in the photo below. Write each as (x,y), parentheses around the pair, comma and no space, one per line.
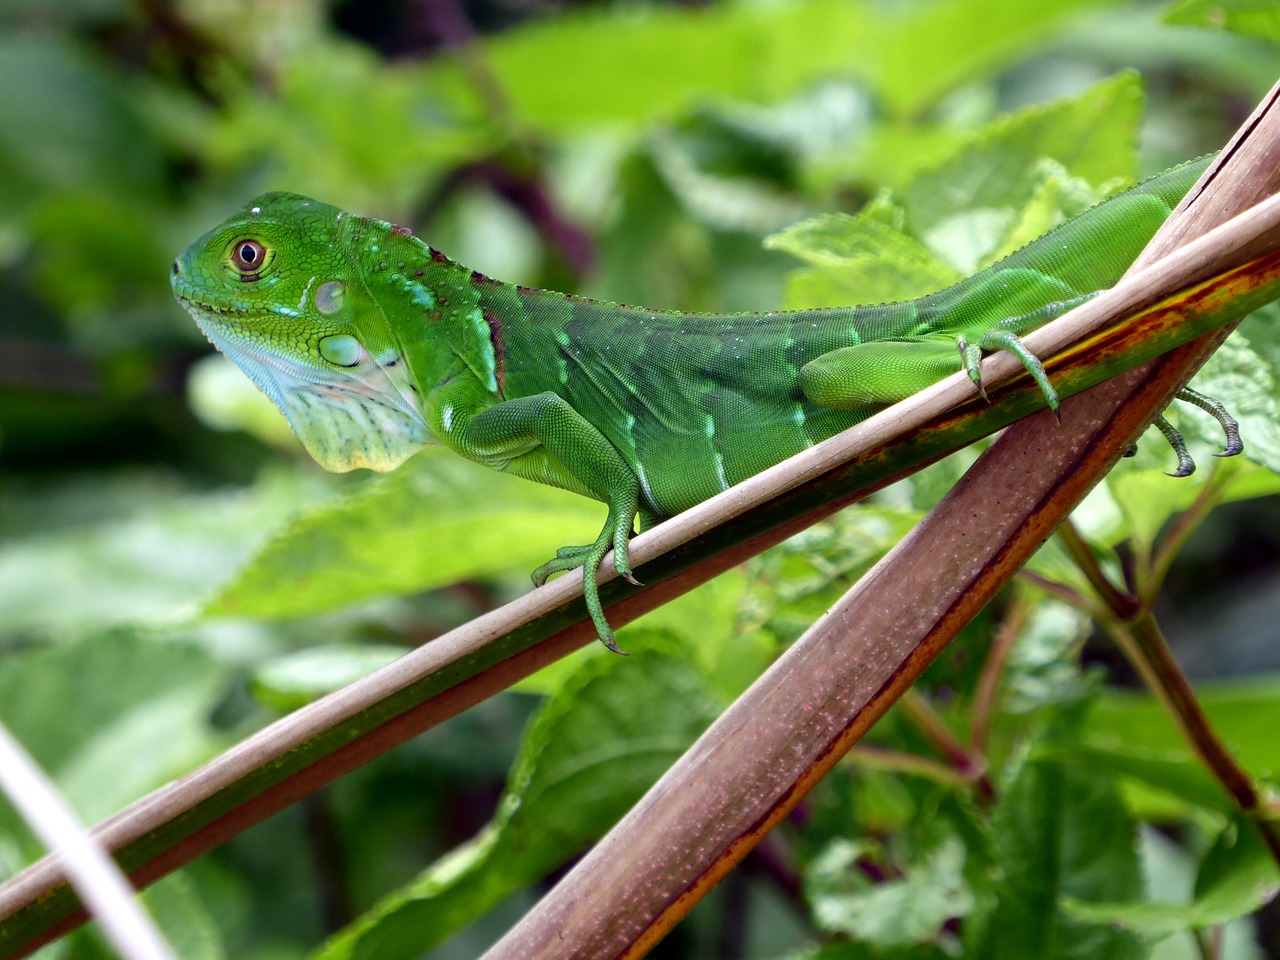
(1217,410)
(971,363)
(622,553)
(591,588)
(1186,466)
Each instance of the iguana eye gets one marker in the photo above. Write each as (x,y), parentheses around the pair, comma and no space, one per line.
(248,256)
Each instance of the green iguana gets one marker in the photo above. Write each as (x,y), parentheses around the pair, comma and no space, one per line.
(375,345)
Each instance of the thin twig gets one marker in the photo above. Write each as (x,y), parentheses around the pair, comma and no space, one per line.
(1122,605)
(984,697)
(95,875)
(1133,626)
(900,761)
(925,718)
(1187,523)
(1068,595)
(1144,644)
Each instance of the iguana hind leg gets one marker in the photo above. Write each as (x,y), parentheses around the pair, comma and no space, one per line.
(1006,336)
(872,376)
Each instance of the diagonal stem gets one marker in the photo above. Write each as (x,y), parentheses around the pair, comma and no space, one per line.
(1144,645)
(1122,605)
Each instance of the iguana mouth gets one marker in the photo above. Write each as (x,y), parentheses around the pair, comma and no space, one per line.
(193,298)
(346,417)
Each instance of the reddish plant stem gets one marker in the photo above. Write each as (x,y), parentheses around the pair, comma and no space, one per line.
(971,766)
(984,698)
(1133,626)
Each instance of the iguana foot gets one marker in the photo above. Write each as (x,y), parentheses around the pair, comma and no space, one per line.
(1011,343)
(616,534)
(971,363)
(1217,410)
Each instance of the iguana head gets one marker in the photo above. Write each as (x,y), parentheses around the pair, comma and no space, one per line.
(276,290)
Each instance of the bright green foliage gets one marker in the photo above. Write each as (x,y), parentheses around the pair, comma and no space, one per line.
(591,752)
(1248,17)
(168,585)
(1057,832)
(1236,871)
(894,914)
(458,508)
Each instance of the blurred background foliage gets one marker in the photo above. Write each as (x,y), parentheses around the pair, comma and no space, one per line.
(174,574)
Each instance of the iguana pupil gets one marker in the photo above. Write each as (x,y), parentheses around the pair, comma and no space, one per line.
(248,254)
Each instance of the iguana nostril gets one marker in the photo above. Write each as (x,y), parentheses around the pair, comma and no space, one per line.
(176,270)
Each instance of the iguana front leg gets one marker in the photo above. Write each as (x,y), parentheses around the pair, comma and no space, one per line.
(543,438)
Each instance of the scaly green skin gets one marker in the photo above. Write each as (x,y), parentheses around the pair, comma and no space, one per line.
(373,345)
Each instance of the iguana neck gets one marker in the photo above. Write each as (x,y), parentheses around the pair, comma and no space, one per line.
(440,326)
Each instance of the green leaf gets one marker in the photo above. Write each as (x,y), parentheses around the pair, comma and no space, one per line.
(858,259)
(1043,668)
(1054,196)
(137,547)
(110,244)
(296,679)
(66,121)
(1250,18)
(1157,785)
(1058,834)
(589,754)
(183,918)
(1006,185)
(1237,876)
(1243,712)
(894,913)
(1148,498)
(677,57)
(742,198)
(437,520)
(983,187)
(140,717)
(345,125)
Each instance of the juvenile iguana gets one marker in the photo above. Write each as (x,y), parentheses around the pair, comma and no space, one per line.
(374,345)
